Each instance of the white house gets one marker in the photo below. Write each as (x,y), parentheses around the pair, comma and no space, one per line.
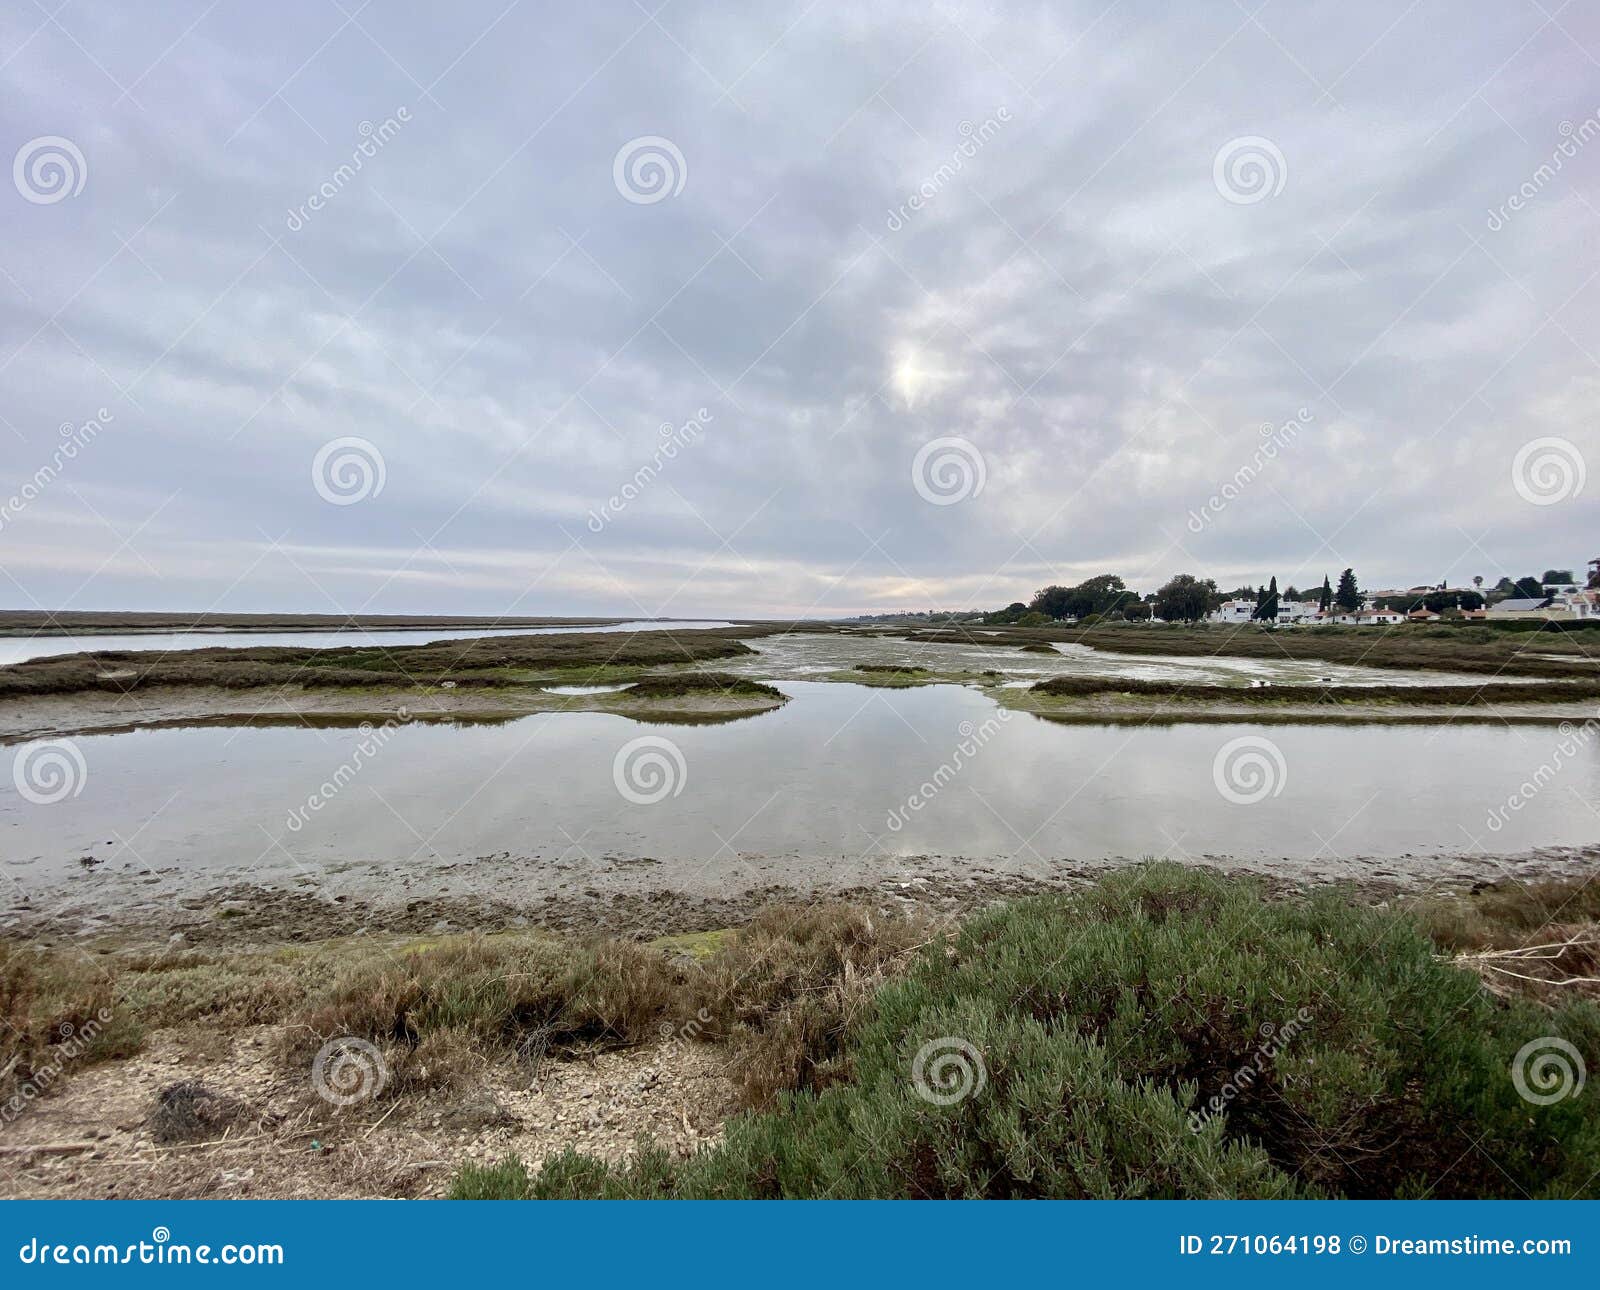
(1362,617)
(1244,611)
(1559,608)
(1233,611)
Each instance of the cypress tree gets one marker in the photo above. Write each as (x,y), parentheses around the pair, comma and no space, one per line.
(1348,597)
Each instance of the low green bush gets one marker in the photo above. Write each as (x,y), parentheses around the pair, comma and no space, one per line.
(1166,1033)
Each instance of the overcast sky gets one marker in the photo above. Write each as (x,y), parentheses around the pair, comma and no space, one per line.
(1087,251)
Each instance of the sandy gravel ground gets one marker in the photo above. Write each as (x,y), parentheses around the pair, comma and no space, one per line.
(95,1137)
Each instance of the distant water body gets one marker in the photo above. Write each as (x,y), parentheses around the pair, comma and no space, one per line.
(19,649)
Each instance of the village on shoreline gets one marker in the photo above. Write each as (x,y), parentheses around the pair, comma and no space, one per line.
(1556,597)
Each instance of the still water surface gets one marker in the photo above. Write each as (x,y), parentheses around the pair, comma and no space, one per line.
(817,779)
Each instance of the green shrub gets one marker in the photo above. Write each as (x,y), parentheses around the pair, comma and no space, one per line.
(506,1180)
(1163,1034)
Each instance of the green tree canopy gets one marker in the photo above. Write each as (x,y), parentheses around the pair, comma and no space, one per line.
(1186,599)
(1102,594)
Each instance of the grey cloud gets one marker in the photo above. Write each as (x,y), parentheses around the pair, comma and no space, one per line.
(1076,298)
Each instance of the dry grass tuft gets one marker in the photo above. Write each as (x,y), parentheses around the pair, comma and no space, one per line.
(1540,940)
(780,993)
(790,985)
(55,1013)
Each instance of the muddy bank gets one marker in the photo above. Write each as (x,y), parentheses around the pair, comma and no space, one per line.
(1489,651)
(32,622)
(98,712)
(644,898)
(1153,710)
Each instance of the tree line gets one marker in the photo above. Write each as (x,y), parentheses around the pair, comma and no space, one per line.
(1185,598)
